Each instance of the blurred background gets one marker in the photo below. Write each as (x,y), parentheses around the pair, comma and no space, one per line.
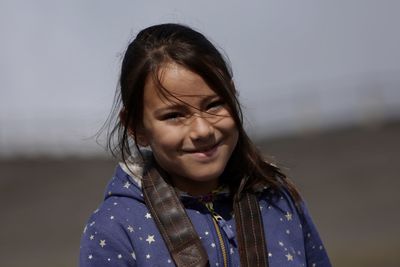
(320,85)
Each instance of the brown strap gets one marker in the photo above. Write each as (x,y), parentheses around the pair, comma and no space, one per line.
(250,231)
(175,226)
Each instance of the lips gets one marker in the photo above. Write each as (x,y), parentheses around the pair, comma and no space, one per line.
(204,152)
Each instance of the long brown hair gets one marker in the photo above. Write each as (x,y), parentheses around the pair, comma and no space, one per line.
(157,45)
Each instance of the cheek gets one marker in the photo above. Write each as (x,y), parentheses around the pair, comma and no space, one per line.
(228,126)
(163,139)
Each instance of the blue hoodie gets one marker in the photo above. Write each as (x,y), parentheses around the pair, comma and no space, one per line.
(121,232)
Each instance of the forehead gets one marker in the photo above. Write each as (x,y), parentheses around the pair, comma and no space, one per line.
(175,83)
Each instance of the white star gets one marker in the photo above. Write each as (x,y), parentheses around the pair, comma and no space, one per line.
(102,243)
(320,247)
(90,257)
(115,203)
(206,233)
(109,259)
(91,237)
(126,185)
(231,251)
(119,256)
(314,264)
(281,243)
(148,256)
(288,231)
(213,245)
(133,255)
(111,217)
(169,261)
(269,254)
(150,238)
(289,257)
(130,228)
(288,216)
(148,216)
(281,219)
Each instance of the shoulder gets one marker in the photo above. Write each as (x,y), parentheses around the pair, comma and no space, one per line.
(289,227)
(279,199)
(104,239)
(297,220)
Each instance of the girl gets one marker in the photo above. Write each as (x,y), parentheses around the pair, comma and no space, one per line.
(191,188)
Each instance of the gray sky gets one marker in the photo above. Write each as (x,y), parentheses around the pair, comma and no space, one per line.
(297,64)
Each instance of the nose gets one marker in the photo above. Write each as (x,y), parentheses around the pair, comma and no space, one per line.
(200,128)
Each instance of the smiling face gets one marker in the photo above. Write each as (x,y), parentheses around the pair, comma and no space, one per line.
(189,129)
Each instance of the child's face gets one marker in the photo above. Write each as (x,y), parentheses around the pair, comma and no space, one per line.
(191,132)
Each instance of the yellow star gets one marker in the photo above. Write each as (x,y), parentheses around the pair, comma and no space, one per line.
(289,257)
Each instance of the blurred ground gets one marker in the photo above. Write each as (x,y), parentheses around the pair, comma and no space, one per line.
(349,178)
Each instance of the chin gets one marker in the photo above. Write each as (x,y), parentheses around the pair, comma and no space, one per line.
(205,175)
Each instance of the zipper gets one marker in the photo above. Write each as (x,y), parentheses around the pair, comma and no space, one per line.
(216,221)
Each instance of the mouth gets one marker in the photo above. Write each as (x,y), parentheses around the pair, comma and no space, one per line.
(206,151)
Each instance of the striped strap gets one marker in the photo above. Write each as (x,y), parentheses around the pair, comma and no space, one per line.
(175,226)
(250,231)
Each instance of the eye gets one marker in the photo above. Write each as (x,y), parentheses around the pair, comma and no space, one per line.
(215,105)
(172,116)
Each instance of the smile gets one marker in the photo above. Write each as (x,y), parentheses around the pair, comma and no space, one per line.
(206,152)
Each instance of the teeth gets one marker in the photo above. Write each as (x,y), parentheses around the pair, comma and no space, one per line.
(207,149)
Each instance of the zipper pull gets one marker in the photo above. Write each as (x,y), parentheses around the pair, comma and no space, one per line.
(225,227)
(221,222)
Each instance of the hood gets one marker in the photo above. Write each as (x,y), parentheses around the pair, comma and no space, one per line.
(127,179)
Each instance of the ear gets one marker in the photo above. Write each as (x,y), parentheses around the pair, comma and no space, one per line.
(141,137)
(138,134)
